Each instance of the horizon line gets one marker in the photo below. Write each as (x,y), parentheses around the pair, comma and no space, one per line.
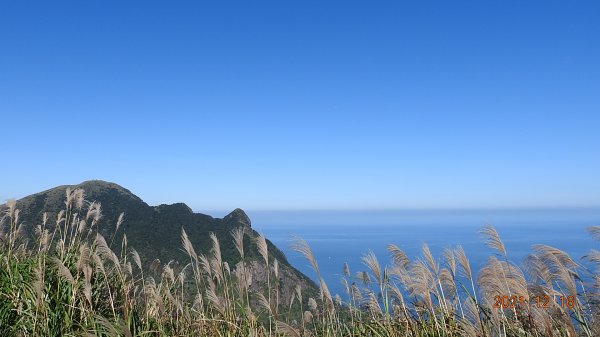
(413,209)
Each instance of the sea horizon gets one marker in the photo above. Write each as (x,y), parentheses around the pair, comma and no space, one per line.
(337,236)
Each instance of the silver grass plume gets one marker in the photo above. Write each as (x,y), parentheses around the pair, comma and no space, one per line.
(238,239)
(214,299)
(312,304)
(594,231)
(325,294)
(84,257)
(75,198)
(298,290)
(450,260)
(136,258)
(119,221)
(429,259)
(346,269)
(264,302)
(399,258)
(261,244)
(168,273)
(492,239)
(38,286)
(472,322)
(286,330)
(276,268)
(205,263)
(187,245)
(372,304)
(62,270)
(463,261)
(364,277)
(307,317)
(217,269)
(94,212)
(60,217)
(370,260)
(216,249)
(302,247)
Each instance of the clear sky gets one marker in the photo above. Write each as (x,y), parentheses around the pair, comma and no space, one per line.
(305,105)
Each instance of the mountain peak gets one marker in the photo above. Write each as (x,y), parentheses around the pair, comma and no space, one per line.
(237,216)
(95,186)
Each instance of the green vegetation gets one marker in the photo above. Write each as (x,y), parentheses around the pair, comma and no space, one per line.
(154,231)
(67,277)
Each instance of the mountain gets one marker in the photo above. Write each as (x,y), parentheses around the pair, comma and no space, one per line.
(155,231)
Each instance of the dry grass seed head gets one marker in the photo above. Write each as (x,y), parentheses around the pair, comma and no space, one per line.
(372,304)
(136,258)
(75,198)
(370,260)
(120,221)
(11,206)
(307,317)
(312,304)
(38,286)
(450,260)
(84,257)
(286,330)
(205,264)
(364,277)
(536,270)
(238,239)
(264,302)
(593,256)
(545,252)
(217,270)
(261,244)
(594,231)
(346,269)
(81,227)
(429,259)
(559,266)
(276,268)
(324,290)
(396,293)
(421,281)
(399,258)
(299,292)
(447,280)
(226,268)
(492,239)
(346,285)
(62,270)
(94,212)
(60,217)
(187,245)
(168,273)
(302,247)
(464,262)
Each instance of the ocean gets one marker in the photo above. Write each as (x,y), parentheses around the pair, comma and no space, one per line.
(336,237)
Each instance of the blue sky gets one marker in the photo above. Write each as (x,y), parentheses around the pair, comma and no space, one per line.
(305,105)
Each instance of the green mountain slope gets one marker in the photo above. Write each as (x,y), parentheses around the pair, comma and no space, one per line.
(155,231)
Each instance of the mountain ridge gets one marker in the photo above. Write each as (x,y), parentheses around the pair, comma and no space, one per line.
(155,231)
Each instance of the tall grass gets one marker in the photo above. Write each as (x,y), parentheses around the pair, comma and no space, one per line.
(66,279)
